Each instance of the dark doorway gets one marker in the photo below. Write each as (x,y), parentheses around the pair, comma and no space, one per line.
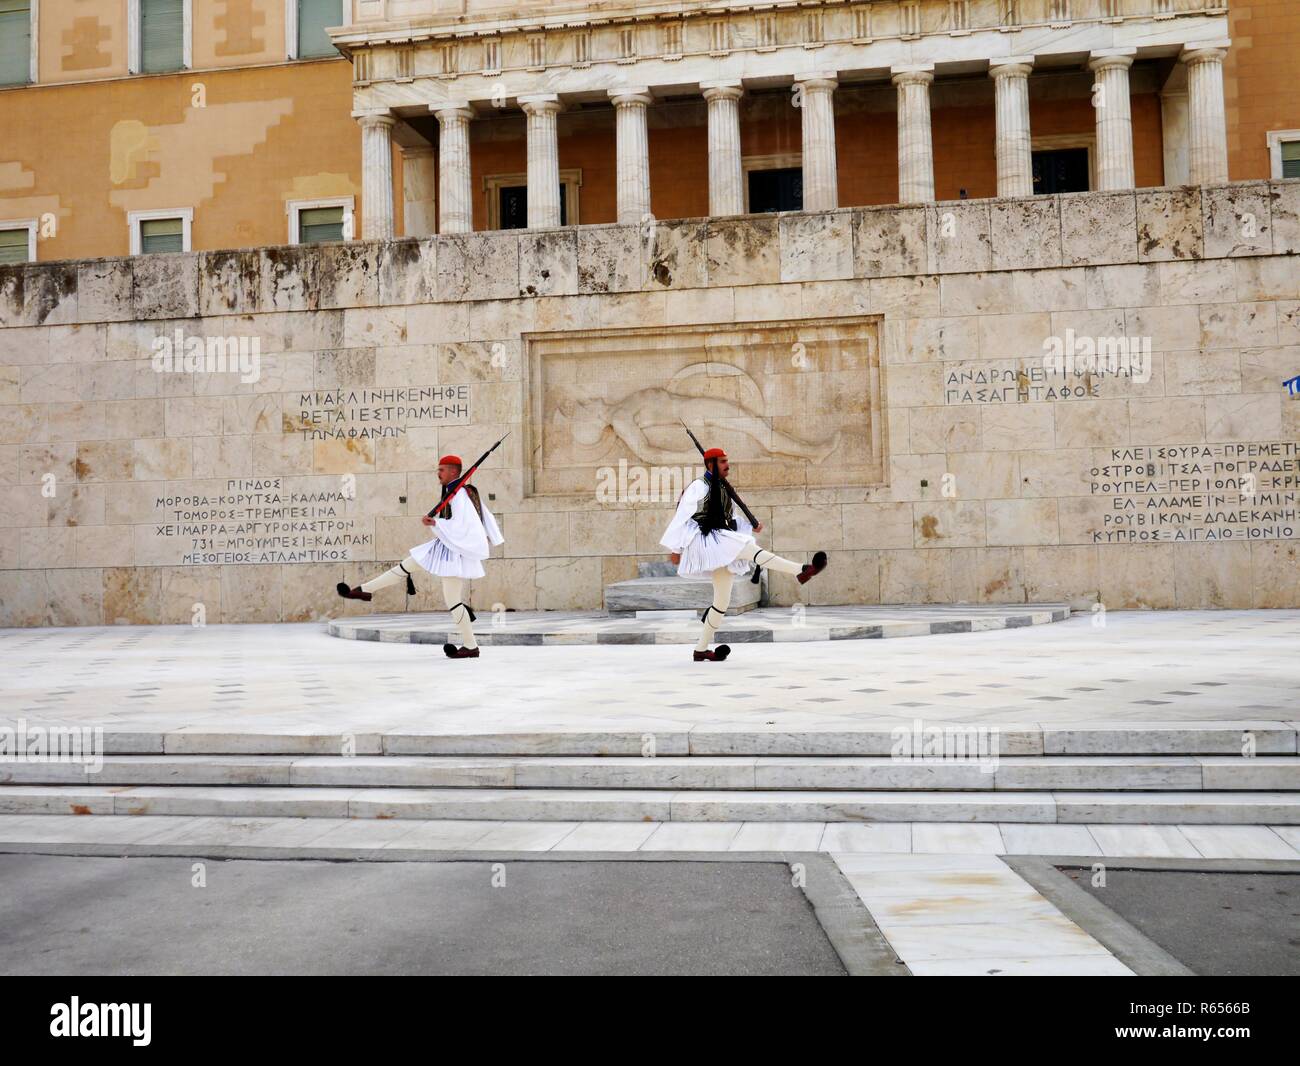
(776,190)
(514,206)
(1061,170)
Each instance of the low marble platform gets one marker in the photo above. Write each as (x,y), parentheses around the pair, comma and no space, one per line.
(764,625)
(658,588)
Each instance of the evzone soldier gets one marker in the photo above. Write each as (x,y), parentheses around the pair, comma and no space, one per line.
(707,537)
(462,534)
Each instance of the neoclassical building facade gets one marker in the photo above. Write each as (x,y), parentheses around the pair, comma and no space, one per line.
(823,63)
(204,124)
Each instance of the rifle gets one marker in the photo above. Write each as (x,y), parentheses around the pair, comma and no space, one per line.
(459,483)
(735,497)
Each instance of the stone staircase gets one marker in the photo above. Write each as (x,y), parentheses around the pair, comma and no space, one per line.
(1082,773)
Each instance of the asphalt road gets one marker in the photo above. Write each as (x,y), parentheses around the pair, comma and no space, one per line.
(118,916)
(1215,923)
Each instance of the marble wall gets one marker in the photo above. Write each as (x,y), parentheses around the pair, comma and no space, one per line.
(222,436)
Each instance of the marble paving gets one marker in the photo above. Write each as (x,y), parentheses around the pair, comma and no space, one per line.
(764,625)
(1159,668)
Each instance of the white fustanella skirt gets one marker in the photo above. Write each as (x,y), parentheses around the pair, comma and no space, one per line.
(703,554)
(441,561)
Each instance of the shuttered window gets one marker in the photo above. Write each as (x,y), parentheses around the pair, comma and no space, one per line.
(317,224)
(313,17)
(1291,159)
(162,235)
(162,35)
(13,245)
(15,42)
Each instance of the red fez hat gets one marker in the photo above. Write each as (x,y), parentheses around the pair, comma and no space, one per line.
(450,460)
(714,453)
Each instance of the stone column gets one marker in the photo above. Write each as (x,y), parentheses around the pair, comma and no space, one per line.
(543,161)
(1174,136)
(419,219)
(455,191)
(726,174)
(1014,154)
(1207,129)
(632,150)
(1110,100)
(376,173)
(820,177)
(915,146)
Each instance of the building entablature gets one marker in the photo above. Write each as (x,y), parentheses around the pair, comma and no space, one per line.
(498,52)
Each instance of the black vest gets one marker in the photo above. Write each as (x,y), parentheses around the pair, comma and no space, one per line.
(471,492)
(715,509)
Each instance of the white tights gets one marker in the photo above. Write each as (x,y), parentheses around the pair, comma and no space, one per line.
(453,589)
(722,581)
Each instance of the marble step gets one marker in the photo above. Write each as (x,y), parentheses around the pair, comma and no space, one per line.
(660,805)
(1017,773)
(866,739)
(867,850)
(661,593)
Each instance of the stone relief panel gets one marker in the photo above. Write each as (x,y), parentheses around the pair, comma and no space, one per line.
(795,404)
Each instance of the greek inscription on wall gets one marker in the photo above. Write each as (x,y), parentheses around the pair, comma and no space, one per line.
(1197,493)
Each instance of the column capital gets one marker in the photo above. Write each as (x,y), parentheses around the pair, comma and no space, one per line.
(1011,67)
(631,96)
(452,111)
(818,81)
(1112,59)
(722,90)
(1205,51)
(541,104)
(375,117)
(912,74)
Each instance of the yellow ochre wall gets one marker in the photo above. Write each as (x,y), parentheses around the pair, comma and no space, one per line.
(88,144)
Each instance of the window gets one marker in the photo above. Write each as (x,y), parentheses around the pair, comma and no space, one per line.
(1291,159)
(160,231)
(316,224)
(507,199)
(1284,153)
(314,221)
(779,189)
(773,182)
(15,42)
(17,242)
(311,18)
(512,206)
(1061,170)
(162,37)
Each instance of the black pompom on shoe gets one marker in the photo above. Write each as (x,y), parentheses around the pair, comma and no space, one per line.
(812,569)
(352,593)
(717,655)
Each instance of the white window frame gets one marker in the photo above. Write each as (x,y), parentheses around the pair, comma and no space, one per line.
(571,179)
(134,218)
(1053,142)
(133,59)
(1277,138)
(293,207)
(291,26)
(30,225)
(36,41)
